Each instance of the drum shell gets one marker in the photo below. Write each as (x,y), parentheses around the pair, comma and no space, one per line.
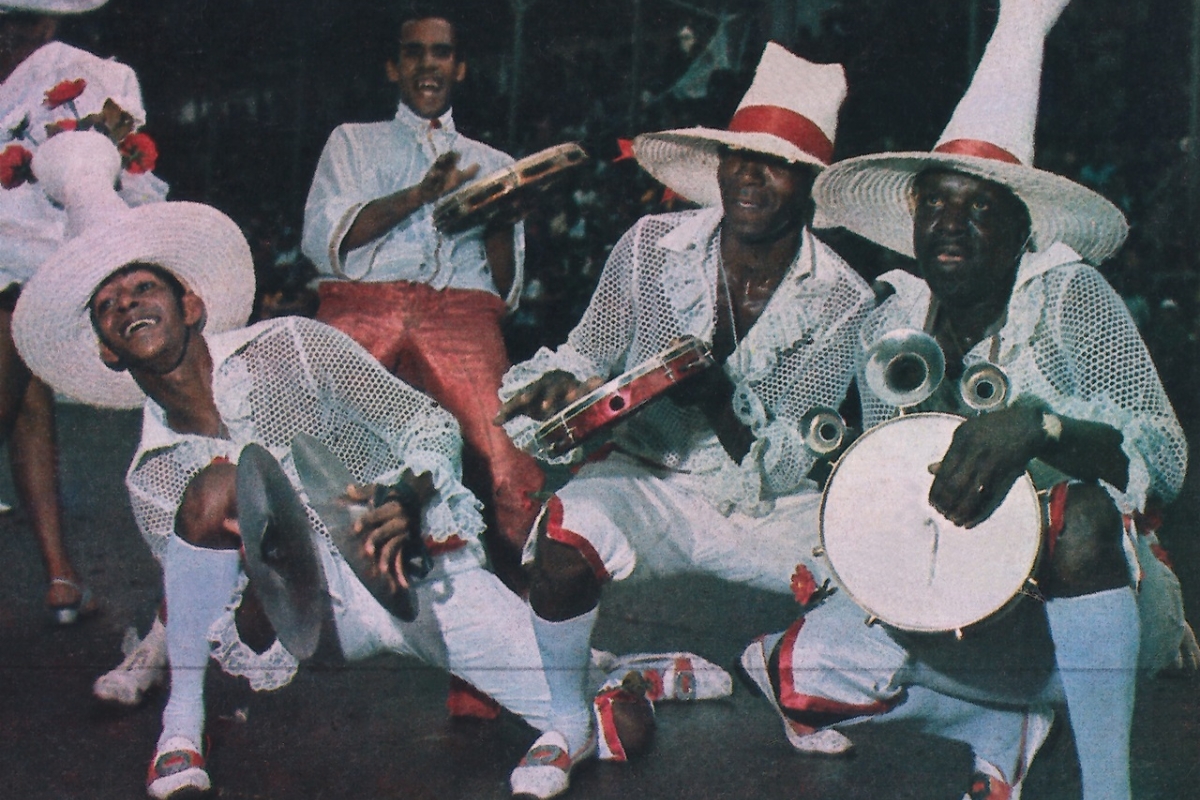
(902,561)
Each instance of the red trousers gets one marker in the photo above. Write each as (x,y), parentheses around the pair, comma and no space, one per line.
(447,343)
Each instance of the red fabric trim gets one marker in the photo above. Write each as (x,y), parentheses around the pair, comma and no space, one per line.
(608,725)
(977,148)
(557,533)
(797,701)
(787,686)
(465,701)
(787,125)
(455,542)
(1057,514)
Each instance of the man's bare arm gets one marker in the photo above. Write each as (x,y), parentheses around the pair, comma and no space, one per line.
(989,453)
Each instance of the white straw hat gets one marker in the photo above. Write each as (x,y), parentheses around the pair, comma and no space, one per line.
(51,6)
(202,247)
(790,111)
(990,136)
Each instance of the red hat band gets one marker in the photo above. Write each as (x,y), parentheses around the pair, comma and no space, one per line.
(787,125)
(977,148)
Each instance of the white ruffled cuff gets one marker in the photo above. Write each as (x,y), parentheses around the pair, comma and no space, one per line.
(266,671)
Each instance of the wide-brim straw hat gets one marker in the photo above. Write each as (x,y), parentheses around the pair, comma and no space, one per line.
(790,111)
(990,136)
(51,6)
(196,243)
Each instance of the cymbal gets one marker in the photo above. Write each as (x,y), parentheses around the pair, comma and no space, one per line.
(325,479)
(280,552)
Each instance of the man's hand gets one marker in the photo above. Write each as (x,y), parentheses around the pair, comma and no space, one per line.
(387,527)
(546,396)
(444,177)
(987,455)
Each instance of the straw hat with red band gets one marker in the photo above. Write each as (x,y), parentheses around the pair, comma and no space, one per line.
(990,136)
(197,244)
(790,111)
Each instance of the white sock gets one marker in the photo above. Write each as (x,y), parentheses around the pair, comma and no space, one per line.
(198,583)
(1096,640)
(566,655)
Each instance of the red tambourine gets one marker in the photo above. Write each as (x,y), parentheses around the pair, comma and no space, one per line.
(616,400)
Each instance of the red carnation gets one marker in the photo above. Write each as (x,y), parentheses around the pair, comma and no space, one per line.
(804,585)
(15,166)
(55,128)
(65,92)
(138,153)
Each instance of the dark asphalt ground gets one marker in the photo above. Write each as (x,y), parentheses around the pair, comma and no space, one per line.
(378,729)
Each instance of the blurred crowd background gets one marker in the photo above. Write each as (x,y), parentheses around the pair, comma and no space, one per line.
(242,94)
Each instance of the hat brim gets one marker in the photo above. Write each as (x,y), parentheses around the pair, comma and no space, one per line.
(52,327)
(686,160)
(51,6)
(872,196)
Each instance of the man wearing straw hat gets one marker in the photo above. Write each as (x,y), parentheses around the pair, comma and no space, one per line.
(1004,251)
(45,82)
(165,288)
(714,480)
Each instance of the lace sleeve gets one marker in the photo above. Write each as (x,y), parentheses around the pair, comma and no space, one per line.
(814,370)
(598,344)
(1113,380)
(412,429)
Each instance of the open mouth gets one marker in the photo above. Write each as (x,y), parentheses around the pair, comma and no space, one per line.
(429,85)
(138,325)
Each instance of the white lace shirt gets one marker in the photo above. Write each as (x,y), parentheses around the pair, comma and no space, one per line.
(272,381)
(661,282)
(1069,342)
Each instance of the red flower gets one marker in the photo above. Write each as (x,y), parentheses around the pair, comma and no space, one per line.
(65,92)
(804,585)
(55,128)
(15,166)
(138,153)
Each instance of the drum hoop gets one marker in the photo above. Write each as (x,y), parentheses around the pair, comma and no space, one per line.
(625,379)
(1025,480)
(505,175)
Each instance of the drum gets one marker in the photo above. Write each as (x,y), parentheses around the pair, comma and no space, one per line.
(621,397)
(903,562)
(502,194)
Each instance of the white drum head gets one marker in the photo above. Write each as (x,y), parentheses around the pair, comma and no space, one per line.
(901,560)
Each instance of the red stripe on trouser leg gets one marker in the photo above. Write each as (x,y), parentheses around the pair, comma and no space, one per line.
(557,533)
(611,747)
(820,711)
(1057,508)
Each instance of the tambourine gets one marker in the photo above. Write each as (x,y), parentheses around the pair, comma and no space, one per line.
(902,561)
(621,397)
(502,192)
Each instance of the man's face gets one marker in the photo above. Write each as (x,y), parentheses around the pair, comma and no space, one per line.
(968,234)
(141,320)
(427,68)
(764,196)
